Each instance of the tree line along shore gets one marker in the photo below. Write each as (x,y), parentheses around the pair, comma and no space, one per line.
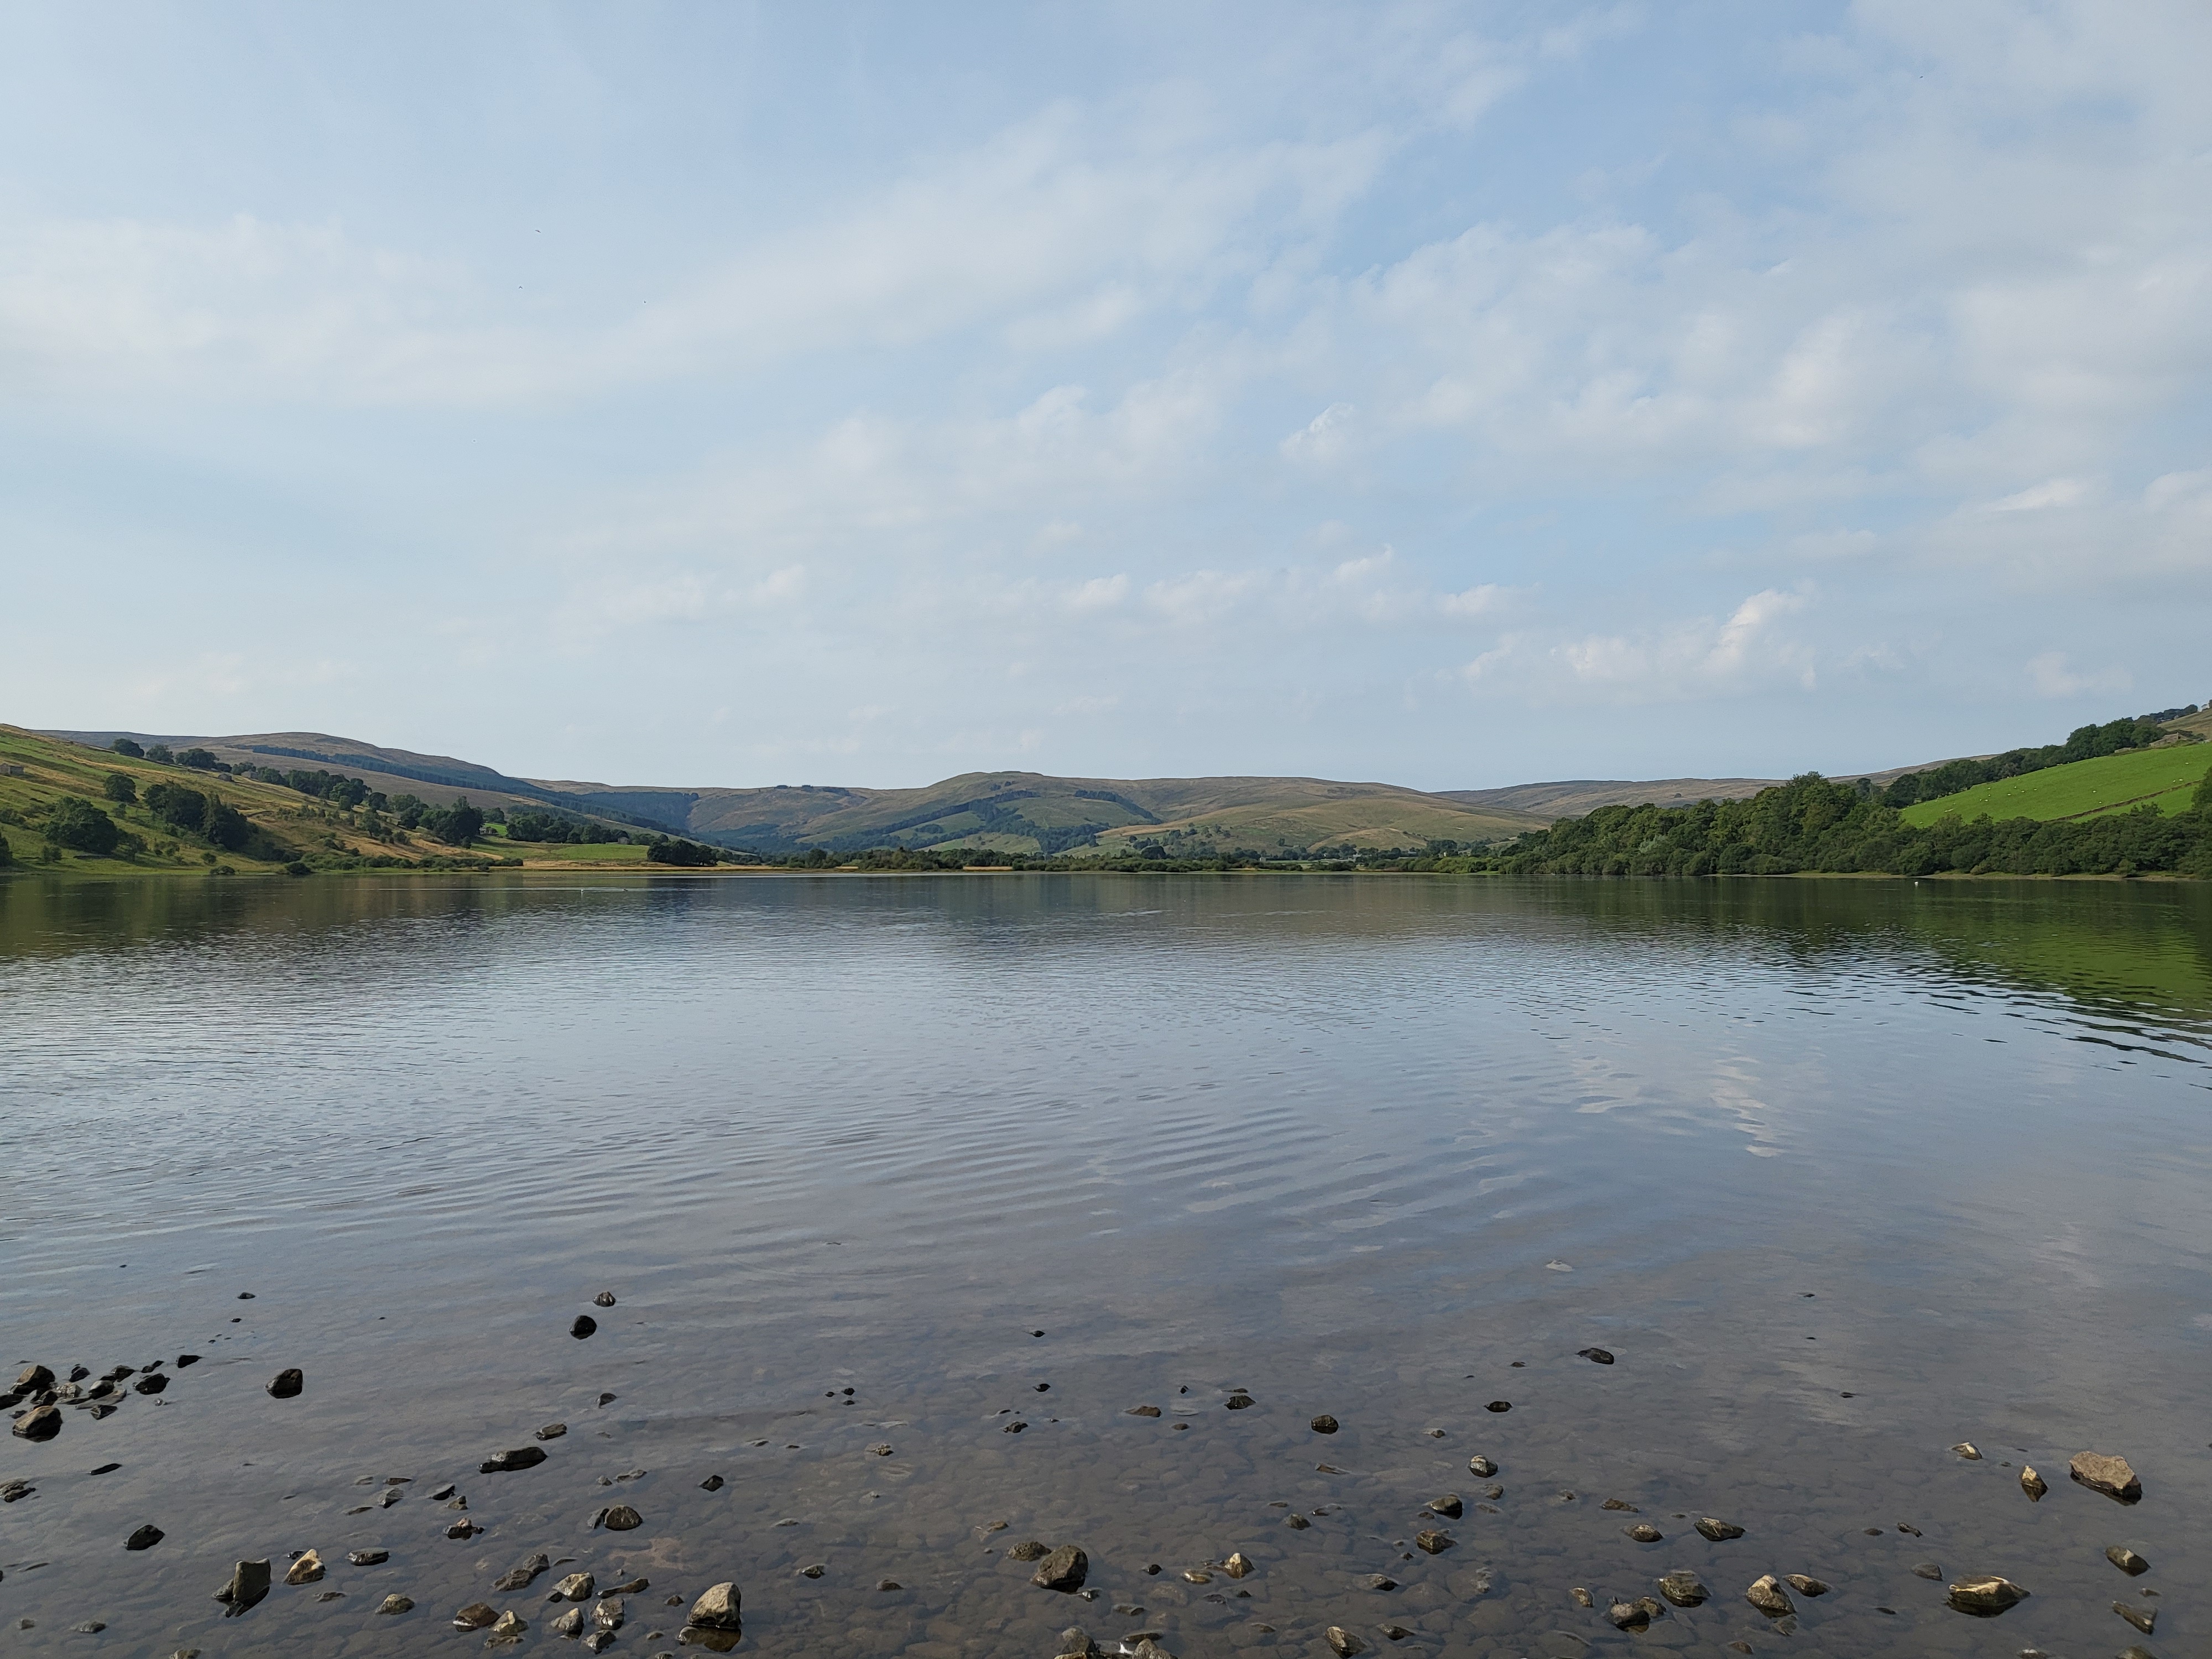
(146,811)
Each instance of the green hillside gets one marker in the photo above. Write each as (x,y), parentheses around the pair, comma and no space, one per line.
(2164,778)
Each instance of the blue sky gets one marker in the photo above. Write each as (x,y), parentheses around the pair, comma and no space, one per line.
(1450,395)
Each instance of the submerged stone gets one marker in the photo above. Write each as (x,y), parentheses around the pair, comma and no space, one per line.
(2126,1561)
(584,1326)
(1767,1595)
(474,1616)
(1064,1570)
(1324,1424)
(286,1384)
(2109,1476)
(1683,1588)
(1987,1595)
(1595,1355)
(1717,1530)
(1448,1506)
(506,1462)
(145,1538)
(1344,1643)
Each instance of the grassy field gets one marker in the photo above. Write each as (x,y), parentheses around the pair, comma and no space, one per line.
(2164,778)
(558,854)
(37,772)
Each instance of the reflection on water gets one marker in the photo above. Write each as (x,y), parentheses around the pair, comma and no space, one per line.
(1388,1149)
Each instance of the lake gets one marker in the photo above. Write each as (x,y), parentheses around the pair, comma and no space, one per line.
(908,1190)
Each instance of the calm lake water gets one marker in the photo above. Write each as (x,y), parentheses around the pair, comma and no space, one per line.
(1842,1173)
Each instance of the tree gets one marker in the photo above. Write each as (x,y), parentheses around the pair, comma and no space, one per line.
(457,825)
(76,823)
(201,760)
(160,755)
(178,807)
(120,789)
(687,854)
(129,750)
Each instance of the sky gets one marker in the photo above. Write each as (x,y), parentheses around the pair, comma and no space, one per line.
(707,393)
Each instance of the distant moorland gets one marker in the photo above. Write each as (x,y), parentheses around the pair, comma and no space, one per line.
(2129,797)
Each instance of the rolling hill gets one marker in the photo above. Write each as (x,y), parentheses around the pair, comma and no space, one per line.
(2163,777)
(1007,811)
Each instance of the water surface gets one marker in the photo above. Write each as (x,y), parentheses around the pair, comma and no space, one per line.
(1842,1173)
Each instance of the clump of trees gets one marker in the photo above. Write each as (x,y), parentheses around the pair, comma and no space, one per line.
(685,854)
(1811,823)
(76,823)
(549,828)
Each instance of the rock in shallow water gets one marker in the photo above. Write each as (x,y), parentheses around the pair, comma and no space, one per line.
(1433,1543)
(2126,1561)
(1029,1550)
(368,1558)
(1448,1506)
(2109,1476)
(1324,1424)
(1803,1585)
(1767,1595)
(622,1518)
(1064,1570)
(1718,1530)
(718,1608)
(1482,1466)
(1644,1533)
(248,1584)
(1683,1588)
(1142,1411)
(305,1570)
(1985,1595)
(603,1299)
(519,1575)
(396,1604)
(1344,1642)
(584,1326)
(576,1587)
(474,1616)
(145,1538)
(39,1422)
(507,1630)
(506,1462)
(1595,1355)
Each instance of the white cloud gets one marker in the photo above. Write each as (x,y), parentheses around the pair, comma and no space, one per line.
(2051,677)
(2055,492)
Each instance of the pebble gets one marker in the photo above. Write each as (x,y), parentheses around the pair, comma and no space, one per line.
(1499,1405)
(507,1628)
(570,1623)
(1344,1642)
(2144,1618)
(463,1529)
(1198,1576)
(1482,1466)
(1582,1597)
(2109,1476)
(1629,1616)
(184,1359)
(92,1627)
(1617,1504)
(1803,1585)
(1719,1531)
(1238,1401)
(2032,1484)
(889,1584)
(622,1518)
(1324,1424)
(144,1539)
(1644,1533)
(305,1570)
(12,1490)
(1396,1632)
(1767,1595)
(1142,1411)
(441,1494)
(813,1572)
(576,1587)
(603,1299)
(519,1577)
(1380,1581)
(880,1449)
(1967,1451)
(713,1483)
(39,1422)
(584,1326)
(248,1584)
(1683,1588)
(1985,1595)
(474,1616)
(1029,1550)
(2126,1561)
(32,1378)
(506,1462)
(159,1381)
(1448,1506)
(551,1432)
(1296,1522)
(1433,1543)
(368,1558)
(599,1640)
(608,1615)
(397,1604)
(285,1385)
(1595,1355)
(1064,1570)
(1238,1564)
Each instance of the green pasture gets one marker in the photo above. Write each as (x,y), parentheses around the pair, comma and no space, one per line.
(2164,778)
